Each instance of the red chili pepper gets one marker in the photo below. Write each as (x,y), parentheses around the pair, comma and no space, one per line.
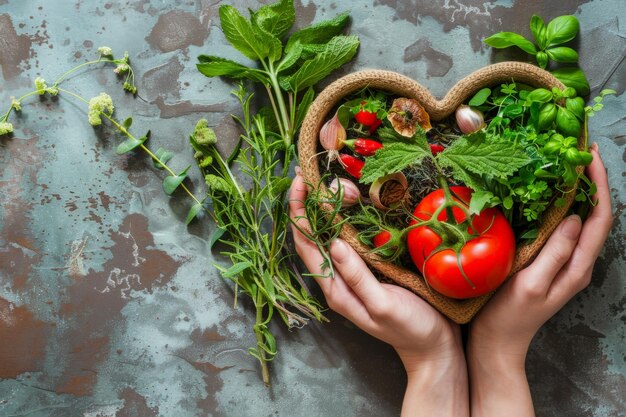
(381,238)
(435,149)
(362,146)
(351,164)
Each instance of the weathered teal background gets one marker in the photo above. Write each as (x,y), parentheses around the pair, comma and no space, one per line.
(109,305)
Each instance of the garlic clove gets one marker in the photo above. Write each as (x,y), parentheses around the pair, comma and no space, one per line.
(333,134)
(468,119)
(389,191)
(351,193)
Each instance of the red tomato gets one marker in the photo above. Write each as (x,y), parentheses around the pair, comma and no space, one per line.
(381,238)
(486,259)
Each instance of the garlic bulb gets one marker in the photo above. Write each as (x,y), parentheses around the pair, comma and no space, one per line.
(389,191)
(333,134)
(351,193)
(469,119)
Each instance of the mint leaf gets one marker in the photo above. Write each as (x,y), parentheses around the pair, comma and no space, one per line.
(276,18)
(275,46)
(291,57)
(393,157)
(319,33)
(337,52)
(214,66)
(497,159)
(239,32)
(506,39)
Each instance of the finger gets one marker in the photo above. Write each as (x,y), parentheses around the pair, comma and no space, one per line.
(554,255)
(358,277)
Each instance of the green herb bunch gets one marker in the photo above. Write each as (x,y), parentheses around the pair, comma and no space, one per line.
(549,48)
(252,221)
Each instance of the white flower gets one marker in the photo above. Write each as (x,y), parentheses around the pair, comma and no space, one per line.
(105,51)
(98,105)
(5,128)
(40,86)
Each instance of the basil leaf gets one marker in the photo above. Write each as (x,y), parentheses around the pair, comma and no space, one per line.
(394,157)
(497,159)
(537,28)
(546,117)
(573,77)
(506,39)
(577,106)
(276,18)
(337,52)
(480,97)
(567,122)
(562,54)
(540,95)
(319,33)
(239,32)
(562,29)
(542,59)
(214,66)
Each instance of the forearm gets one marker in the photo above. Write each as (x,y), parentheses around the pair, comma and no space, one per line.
(499,386)
(437,388)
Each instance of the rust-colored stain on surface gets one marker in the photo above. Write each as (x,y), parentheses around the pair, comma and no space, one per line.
(177,30)
(14,48)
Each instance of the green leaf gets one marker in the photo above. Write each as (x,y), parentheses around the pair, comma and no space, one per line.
(567,122)
(542,59)
(280,185)
(276,18)
(319,33)
(480,97)
(537,28)
(131,143)
(507,203)
(577,106)
(563,54)
(193,212)
(547,116)
(303,107)
(213,66)
(127,123)
(394,157)
(239,32)
(236,269)
(530,234)
(506,39)
(290,58)
(497,159)
(540,95)
(216,235)
(480,201)
(337,52)
(164,156)
(573,77)
(275,46)
(233,155)
(562,29)
(172,182)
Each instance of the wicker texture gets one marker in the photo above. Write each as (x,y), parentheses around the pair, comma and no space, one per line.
(460,311)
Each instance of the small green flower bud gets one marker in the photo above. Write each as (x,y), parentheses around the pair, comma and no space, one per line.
(217,183)
(53,91)
(5,128)
(40,86)
(16,104)
(203,134)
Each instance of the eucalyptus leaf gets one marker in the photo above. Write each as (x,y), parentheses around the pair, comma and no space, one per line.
(164,156)
(172,182)
(127,123)
(506,39)
(131,143)
(193,212)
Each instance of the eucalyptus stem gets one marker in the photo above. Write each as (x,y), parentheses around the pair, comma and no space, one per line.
(84,64)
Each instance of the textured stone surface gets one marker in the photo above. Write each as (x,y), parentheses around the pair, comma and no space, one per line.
(109,305)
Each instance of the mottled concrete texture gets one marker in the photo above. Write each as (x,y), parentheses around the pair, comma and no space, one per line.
(109,305)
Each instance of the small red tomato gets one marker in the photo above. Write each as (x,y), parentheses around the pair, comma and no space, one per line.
(351,164)
(381,238)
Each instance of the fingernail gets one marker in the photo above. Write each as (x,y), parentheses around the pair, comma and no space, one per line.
(298,170)
(594,146)
(571,227)
(339,250)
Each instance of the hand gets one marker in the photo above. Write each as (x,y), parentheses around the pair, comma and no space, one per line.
(429,345)
(501,333)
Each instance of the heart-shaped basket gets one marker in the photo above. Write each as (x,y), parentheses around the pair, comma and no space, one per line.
(460,311)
